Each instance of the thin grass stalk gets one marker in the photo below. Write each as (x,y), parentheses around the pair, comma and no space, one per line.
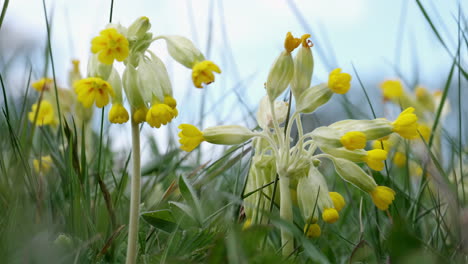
(134,196)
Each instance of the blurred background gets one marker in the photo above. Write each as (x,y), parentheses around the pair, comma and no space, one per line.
(381,39)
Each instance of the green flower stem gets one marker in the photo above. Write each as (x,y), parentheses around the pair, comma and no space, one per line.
(286,213)
(134,196)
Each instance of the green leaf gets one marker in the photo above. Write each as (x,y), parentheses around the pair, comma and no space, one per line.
(161,219)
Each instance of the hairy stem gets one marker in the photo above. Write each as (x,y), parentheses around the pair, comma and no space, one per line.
(134,196)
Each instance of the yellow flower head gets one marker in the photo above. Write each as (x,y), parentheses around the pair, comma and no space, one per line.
(339,82)
(110,45)
(170,101)
(43,165)
(392,89)
(202,72)
(353,140)
(377,144)
(118,114)
(190,137)
(306,42)
(43,84)
(375,159)
(139,116)
(330,215)
(382,196)
(399,159)
(312,231)
(425,131)
(406,124)
(93,89)
(45,114)
(338,200)
(291,43)
(160,114)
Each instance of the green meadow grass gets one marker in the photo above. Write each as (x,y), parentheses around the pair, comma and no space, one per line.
(192,212)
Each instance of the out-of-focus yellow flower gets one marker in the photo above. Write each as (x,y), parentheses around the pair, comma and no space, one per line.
(399,159)
(339,82)
(291,43)
(190,137)
(392,89)
(375,159)
(406,124)
(247,224)
(330,215)
(425,131)
(45,114)
(43,84)
(110,45)
(92,90)
(377,144)
(338,200)
(118,114)
(312,231)
(382,196)
(43,165)
(353,140)
(160,114)
(202,72)
(139,116)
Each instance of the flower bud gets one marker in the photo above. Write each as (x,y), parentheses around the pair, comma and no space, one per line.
(227,135)
(182,50)
(353,174)
(138,28)
(313,98)
(264,115)
(303,68)
(280,75)
(131,87)
(372,129)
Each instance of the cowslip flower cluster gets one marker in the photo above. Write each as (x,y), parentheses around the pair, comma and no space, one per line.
(145,79)
(298,165)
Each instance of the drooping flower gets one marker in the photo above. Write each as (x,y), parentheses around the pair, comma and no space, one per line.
(353,140)
(93,89)
(43,84)
(375,159)
(139,116)
(312,230)
(45,114)
(160,114)
(118,114)
(110,45)
(190,137)
(382,196)
(338,200)
(391,89)
(202,72)
(406,124)
(339,82)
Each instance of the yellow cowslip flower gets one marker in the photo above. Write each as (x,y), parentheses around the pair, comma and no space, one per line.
(170,101)
(312,231)
(190,137)
(202,72)
(425,131)
(399,159)
(110,45)
(420,92)
(43,165)
(330,215)
(377,144)
(375,159)
(339,82)
(139,116)
(406,124)
(45,114)
(118,114)
(382,196)
(160,114)
(43,84)
(291,43)
(338,200)
(353,140)
(391,89)
(93,89)
(247,224)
